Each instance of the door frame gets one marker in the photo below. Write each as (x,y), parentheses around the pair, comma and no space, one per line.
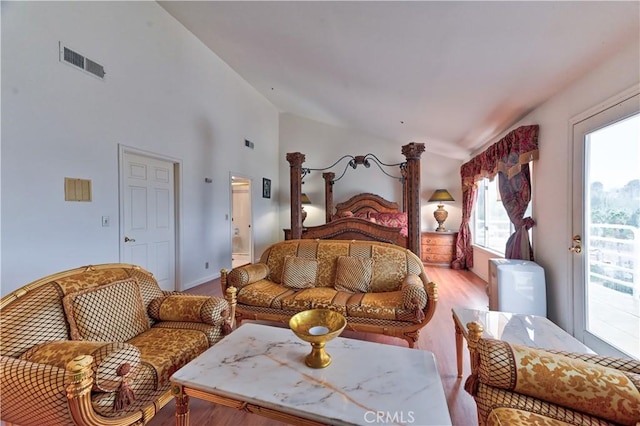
(575,273)
(251,185)
(177,201)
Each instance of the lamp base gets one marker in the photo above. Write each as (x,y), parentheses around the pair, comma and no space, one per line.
(441,215)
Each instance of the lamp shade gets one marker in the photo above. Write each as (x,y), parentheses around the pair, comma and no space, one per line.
(305,199)
(440,195)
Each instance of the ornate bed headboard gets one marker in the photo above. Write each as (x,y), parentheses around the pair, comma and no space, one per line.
(362,204)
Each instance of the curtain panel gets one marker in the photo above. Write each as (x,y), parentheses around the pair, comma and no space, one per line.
(509,156)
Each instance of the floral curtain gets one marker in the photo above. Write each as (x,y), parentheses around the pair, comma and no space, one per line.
(509,156)
(516,195)
(464,252)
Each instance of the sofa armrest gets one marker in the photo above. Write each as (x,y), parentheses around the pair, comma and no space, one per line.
(245,275)
(191,308)
(581,385)
(108,359)
(32,391)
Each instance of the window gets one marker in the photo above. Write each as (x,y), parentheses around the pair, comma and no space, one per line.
(492,227)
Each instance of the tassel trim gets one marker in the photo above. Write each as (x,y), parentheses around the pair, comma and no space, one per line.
(124,394)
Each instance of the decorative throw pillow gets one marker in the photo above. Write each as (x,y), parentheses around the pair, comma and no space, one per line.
(299,272)
(109,313)
(353,274)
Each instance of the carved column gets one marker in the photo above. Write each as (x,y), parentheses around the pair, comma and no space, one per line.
(295,160)
(328,195)
(412,152)
(403,173)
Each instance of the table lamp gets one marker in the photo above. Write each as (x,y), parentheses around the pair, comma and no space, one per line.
(439,196)
(305,200)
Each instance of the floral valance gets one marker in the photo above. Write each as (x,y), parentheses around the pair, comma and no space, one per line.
(507,155)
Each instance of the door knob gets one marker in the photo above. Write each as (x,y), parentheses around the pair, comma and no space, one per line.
(127,239)
(577,244)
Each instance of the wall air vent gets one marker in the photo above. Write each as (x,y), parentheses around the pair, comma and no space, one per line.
(79,61)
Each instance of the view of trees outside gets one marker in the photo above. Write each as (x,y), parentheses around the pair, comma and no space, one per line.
(613,234)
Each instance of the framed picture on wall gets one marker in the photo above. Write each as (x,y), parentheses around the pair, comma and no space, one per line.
(266,188)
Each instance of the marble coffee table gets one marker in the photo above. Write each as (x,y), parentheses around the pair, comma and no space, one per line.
(261,369)
(528,330)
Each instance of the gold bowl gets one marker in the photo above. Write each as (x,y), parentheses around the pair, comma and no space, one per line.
(317,326)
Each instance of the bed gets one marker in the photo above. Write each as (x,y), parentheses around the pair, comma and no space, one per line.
(365,216)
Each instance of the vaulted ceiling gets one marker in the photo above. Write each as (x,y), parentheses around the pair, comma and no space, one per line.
(450,74)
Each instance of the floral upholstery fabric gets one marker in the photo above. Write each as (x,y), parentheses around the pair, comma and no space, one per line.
(299,272)
(389,268)
(38,318)
(313,298)
(189,308)
(328,261)
(248,274)
(582,386)
(263,293)
(213,332)
(512,416)
(353,274)
(107,357)
(109,313)
(377,305)
(167,350)
(91,279)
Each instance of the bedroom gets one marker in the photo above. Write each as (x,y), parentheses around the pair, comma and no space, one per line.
(153,102)
(167,93)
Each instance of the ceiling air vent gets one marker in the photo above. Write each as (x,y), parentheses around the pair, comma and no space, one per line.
(80,61)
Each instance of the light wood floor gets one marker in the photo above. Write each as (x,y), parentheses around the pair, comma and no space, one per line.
(455,289)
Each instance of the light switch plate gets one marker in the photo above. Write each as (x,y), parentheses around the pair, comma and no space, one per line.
(105,221)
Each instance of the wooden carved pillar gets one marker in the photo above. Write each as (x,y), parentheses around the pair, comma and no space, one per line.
(328,195)
(295,160)
(412,152)
(403,173)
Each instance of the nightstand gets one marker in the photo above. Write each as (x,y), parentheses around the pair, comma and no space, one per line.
(438,248)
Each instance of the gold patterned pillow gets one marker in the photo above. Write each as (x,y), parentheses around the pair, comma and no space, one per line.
(353,274)
(299,272)
(413,292)
(190,308)
(109,313)
(107,358)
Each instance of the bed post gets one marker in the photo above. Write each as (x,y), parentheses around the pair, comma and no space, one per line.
(412,152)
(328,195)
(295,160)
(405,196)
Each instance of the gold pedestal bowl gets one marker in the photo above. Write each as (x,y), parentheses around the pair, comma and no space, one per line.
(317,326)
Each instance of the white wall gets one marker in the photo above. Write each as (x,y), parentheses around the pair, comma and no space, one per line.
(551,185)
(324,144)
(164,92)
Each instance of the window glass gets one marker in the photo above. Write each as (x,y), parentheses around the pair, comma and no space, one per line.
(492,226)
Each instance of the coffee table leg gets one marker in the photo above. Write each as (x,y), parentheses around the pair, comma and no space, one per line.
(182,406)
(458,347)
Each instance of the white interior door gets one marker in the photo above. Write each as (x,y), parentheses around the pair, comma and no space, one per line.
(606,229)
(149,217)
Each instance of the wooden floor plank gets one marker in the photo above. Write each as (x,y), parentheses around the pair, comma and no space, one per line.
(455,289)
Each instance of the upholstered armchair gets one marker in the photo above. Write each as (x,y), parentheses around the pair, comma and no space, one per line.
(97,345)
(521,385)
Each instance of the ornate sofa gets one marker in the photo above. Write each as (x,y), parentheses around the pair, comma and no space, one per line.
(520,385)
(379,287)
(96,345)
